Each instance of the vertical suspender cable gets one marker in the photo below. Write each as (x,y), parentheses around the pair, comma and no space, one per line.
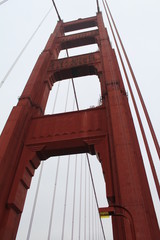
(53,199)
(65,200)
(67,96)
(137,87)
(94,190)
(35,202)
(80,200)
(92,216)
(77,105)
(85,194)
(136,110)
(54,105)
(96,221)
(74,89)
(74,198)
(58,161)
(96,229)
(56,177)
(98,232)
(89,206)
(38,185)
(67,178)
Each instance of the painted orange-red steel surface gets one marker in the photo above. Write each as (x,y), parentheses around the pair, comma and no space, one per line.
(130,181)
(107,131)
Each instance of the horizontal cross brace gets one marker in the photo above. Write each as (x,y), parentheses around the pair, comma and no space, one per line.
(67,133)
(76,66)
(79,39)
(80,24)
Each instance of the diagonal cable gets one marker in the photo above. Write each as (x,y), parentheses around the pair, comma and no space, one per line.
(56,10)
(23,49)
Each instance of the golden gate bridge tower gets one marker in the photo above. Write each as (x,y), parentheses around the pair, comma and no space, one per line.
(30,137)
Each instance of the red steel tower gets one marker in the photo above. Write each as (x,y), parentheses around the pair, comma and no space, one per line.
(108,131)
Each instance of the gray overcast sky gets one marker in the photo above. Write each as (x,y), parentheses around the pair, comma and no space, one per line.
(137,22)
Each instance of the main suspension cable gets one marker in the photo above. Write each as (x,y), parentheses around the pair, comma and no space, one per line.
(4,1)
(137,87)
(24,48)
(136,109)
(98,8)
(56,10)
